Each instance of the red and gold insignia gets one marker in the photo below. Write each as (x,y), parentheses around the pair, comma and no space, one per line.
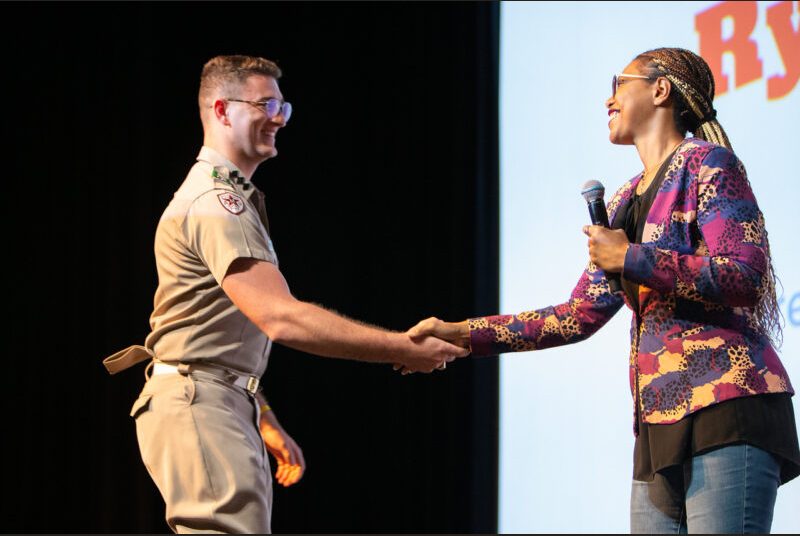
(232,202)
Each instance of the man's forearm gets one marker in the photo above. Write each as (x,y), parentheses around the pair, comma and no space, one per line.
(260,291)
(313,329)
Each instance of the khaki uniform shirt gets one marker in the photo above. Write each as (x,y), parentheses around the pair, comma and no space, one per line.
(210,222)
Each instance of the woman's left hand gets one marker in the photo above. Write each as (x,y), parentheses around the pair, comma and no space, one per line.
(607,248)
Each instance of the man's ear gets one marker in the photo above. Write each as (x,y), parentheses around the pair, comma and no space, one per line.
(220,108)
(662,89)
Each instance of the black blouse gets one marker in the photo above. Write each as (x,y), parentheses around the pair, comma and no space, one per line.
(765,421)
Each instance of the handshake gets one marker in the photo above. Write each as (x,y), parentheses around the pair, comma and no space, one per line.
(432,344)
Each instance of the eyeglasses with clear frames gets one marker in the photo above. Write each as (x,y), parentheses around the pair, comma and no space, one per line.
(616,77)
(271,107)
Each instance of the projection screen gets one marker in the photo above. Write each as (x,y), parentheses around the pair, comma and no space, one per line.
(566,440)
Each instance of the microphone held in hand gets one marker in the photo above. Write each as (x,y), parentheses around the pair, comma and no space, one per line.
(593,192)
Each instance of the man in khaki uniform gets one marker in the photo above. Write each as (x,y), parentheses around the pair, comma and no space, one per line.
(202,423)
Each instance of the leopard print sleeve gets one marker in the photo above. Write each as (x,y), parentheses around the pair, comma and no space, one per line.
(590,306)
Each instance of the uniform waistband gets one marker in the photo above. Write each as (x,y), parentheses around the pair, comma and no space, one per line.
(239,379)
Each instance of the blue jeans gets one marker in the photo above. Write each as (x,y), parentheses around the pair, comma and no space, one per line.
(728,490)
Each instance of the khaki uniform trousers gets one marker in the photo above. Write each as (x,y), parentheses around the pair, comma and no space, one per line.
(198,437)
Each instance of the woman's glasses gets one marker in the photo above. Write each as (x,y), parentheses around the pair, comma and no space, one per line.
(616,77)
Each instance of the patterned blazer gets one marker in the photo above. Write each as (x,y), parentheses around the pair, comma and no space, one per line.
(701,269)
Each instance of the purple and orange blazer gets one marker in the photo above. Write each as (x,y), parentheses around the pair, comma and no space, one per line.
(701,267)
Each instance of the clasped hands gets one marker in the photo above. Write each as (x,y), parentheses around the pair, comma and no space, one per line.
(446,341)
(440,342)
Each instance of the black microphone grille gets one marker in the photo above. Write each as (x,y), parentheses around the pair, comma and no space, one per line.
(592,190)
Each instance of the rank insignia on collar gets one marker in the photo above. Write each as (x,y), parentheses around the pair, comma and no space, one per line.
(221,177)
(231,202)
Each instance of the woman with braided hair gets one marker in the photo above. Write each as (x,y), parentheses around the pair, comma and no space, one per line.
(713,418)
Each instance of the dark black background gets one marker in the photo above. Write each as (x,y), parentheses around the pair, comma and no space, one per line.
(382,204)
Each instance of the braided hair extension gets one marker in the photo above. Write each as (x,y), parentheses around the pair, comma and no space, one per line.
(692,78)
(694,112)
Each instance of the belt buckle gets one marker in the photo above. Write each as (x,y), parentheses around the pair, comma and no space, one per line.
(252,385)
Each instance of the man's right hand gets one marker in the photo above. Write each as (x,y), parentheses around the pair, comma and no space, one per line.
(454,332)
(428,353)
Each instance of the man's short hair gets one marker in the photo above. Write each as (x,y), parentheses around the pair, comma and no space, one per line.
(226,73)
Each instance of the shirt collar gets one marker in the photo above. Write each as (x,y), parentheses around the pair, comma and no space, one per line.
(225,169)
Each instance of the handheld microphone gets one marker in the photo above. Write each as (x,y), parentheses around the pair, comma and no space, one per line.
(593,192)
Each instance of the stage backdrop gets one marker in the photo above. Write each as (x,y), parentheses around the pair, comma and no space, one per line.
(382,206)
(566,437)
